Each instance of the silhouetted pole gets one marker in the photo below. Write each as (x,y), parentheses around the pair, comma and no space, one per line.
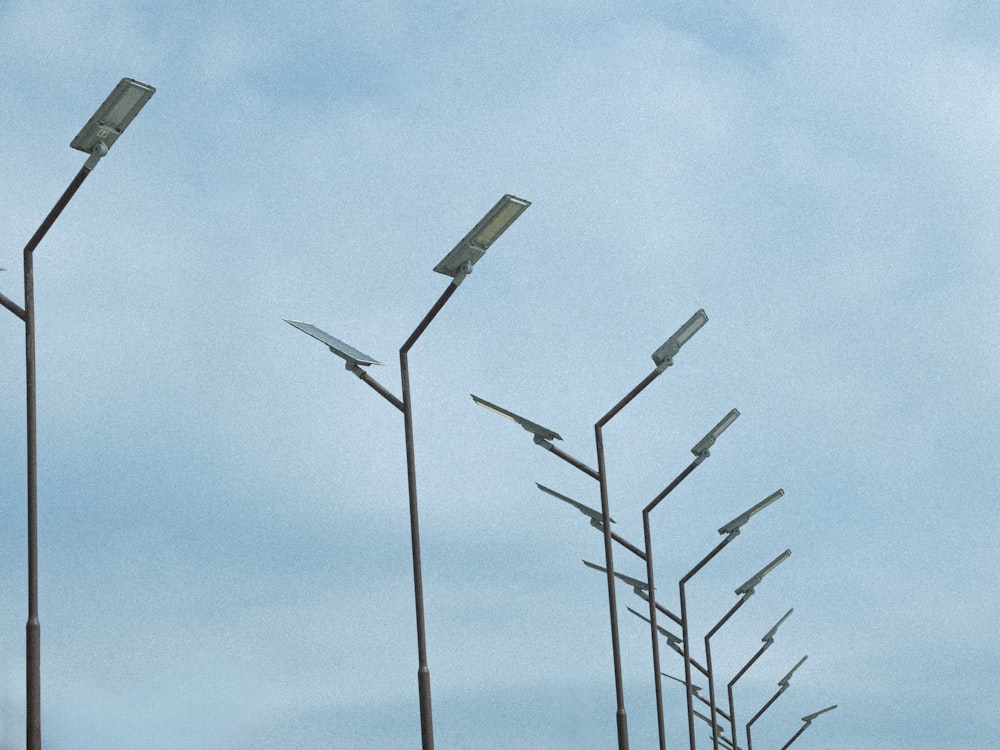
(97,136)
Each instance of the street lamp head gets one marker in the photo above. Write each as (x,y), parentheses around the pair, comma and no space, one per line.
(664,356)
(542,434)
(111,118)
(769,635)
(808,719)
(748,588)
(459,262)
(352,356)
(641,588)
(701,449)
(733,527)
(672,640)
(595,516)
(783,682)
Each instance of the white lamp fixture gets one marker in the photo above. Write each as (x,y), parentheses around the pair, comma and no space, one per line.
(664,356)
(459,262)
(112,117)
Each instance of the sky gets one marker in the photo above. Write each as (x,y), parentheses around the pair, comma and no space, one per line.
(224,536)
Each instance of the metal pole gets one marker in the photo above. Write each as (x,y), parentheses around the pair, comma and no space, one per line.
(647,537)
(795,736)
(621,717)
(655,635)
(761,713)
(33,679)
(708,663)
(732,683)
(685,632)
(423,671)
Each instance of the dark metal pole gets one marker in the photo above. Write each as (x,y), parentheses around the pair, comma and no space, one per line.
(621,716)
(708,661)
(761,713)
(647,537)
(795,736)
(423,671)
(602,477)
(685,633)
(732,682)
(33,679)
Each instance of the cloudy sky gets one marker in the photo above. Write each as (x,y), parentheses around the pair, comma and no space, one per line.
(225,557)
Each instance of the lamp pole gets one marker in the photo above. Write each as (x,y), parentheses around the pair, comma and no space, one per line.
(783,684)
(768,641)
(701,451)
(97,136)
(457,264)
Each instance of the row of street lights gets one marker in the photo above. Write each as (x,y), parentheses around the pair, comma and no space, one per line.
(601,520)
(96,137)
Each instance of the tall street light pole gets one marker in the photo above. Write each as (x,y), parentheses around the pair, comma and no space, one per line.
(457,264)
(701,451)
(768,641)
(97,136)
(783,684)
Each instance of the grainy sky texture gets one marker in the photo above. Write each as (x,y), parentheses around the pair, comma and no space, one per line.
(224,537)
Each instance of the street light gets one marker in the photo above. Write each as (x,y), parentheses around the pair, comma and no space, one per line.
(542,434)
(683,335)
(746,589)
(701,449)
(97,136)
(112,117)
(768,641)
(783,685)
(664,356)
(593,515)
(457,264)
(807,721)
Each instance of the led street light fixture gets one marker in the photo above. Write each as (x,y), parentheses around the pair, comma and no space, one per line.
(353,357)
(783,682)
(475,244)
(664,356)
(541,434)
(810,717)
(112,117)
(733,527)
(640,587)
(701,449)
(769,635)
(747,588)
(596,519)
(672,640)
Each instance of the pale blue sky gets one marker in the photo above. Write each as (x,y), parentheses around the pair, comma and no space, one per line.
(224,540)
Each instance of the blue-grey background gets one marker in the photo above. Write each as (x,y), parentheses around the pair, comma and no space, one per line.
(224,537)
